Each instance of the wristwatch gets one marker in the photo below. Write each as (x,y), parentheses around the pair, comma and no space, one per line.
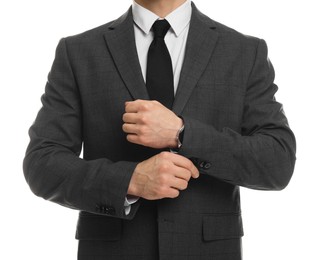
(179,136)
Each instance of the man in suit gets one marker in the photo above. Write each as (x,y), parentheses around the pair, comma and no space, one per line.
(159,181)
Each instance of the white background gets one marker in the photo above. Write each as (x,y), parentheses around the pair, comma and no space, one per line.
(278,225)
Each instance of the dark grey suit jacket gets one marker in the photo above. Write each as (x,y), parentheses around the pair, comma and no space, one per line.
(235,132)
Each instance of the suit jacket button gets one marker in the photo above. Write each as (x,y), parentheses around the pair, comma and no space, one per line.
(201,164)
(98,208)
(207,166)
(110,210)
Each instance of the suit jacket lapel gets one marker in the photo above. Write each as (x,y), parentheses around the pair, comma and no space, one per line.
(121,43)
(201,41)
(200,45)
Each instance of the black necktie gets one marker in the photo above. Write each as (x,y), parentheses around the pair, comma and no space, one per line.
(159,78)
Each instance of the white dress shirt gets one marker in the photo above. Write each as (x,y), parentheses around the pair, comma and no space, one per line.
(175,39)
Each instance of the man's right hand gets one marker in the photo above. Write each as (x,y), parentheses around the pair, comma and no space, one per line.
(162,176)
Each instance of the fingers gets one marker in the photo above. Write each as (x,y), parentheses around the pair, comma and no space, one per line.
(162,176)
(130,128)
(182,173)
(179,184)
(195,172)
(132,106)
(191,169)
(132,138)
(155,125)
(185,163)
(131,118)
(140,105)
(172,193)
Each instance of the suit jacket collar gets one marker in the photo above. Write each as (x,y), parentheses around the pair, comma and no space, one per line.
(178,19)
(201,41)
(122,47)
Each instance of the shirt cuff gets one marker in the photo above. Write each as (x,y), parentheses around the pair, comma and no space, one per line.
(129,200)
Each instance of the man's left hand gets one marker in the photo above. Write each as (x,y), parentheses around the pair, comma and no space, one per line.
(151,124)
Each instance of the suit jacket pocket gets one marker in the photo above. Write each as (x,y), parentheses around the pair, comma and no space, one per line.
(222,226)
(98,227)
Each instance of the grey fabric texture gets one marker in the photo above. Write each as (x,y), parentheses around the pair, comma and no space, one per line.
(235,132)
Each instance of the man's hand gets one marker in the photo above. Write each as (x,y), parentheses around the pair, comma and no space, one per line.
(151,124)
(162,176)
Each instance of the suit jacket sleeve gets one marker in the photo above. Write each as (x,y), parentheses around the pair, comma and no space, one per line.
(262,156)
(52,166)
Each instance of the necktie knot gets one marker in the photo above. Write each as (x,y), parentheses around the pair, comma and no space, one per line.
(160,28)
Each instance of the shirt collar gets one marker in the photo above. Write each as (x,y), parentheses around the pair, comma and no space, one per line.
(178,19)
